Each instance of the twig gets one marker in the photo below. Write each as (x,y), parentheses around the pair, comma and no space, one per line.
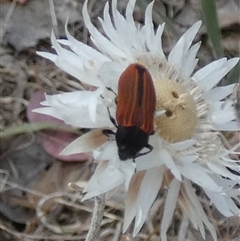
(7,19)
(39,237)
(118,232)
(94,229)
(183,229)
(41,214)
(54,18)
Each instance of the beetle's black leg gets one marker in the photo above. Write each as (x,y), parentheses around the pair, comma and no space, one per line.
(108,132)
(111,118)
(145,153)
(110,89)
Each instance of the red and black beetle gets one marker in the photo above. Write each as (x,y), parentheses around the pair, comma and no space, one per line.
(136,104)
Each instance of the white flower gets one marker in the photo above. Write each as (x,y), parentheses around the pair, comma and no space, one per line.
(191,112)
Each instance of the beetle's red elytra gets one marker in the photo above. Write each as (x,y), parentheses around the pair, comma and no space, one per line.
(136,102)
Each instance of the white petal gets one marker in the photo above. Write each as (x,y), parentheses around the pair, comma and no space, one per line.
(129,13)
(199,175)
(190,61)
(106,152)
(183,145)
(101,167)
(230,163)
(219,93)
(180,50)
(230,126)
(111,78)
(169,162)
(52,57)
(101,183)
(170,205)
(152,159)
(129,168)
(74,65)
(124,30)
(210,75)
(112,33)
(148,27)
(85,143)
(222,112)
(104,45)
(79,108)
(148,191)
(84,51)
(199,210)
(224,204)
(222,170)
(131,199)
(157,41)
(133,32)
(189,210)
(185,160)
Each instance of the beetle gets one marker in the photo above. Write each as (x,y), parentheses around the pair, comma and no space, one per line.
(136,105)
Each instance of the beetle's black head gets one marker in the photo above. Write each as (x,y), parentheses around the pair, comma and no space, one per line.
(130,141)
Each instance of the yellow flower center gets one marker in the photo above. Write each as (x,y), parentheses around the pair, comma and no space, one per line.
(180,118)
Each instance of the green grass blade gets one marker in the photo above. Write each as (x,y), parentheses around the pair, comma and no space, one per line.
(234,75)
(211,21)
(33,127)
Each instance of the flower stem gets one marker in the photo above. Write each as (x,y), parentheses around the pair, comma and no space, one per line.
(94,229)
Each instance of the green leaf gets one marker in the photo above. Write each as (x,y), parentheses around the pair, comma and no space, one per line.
(211,21)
